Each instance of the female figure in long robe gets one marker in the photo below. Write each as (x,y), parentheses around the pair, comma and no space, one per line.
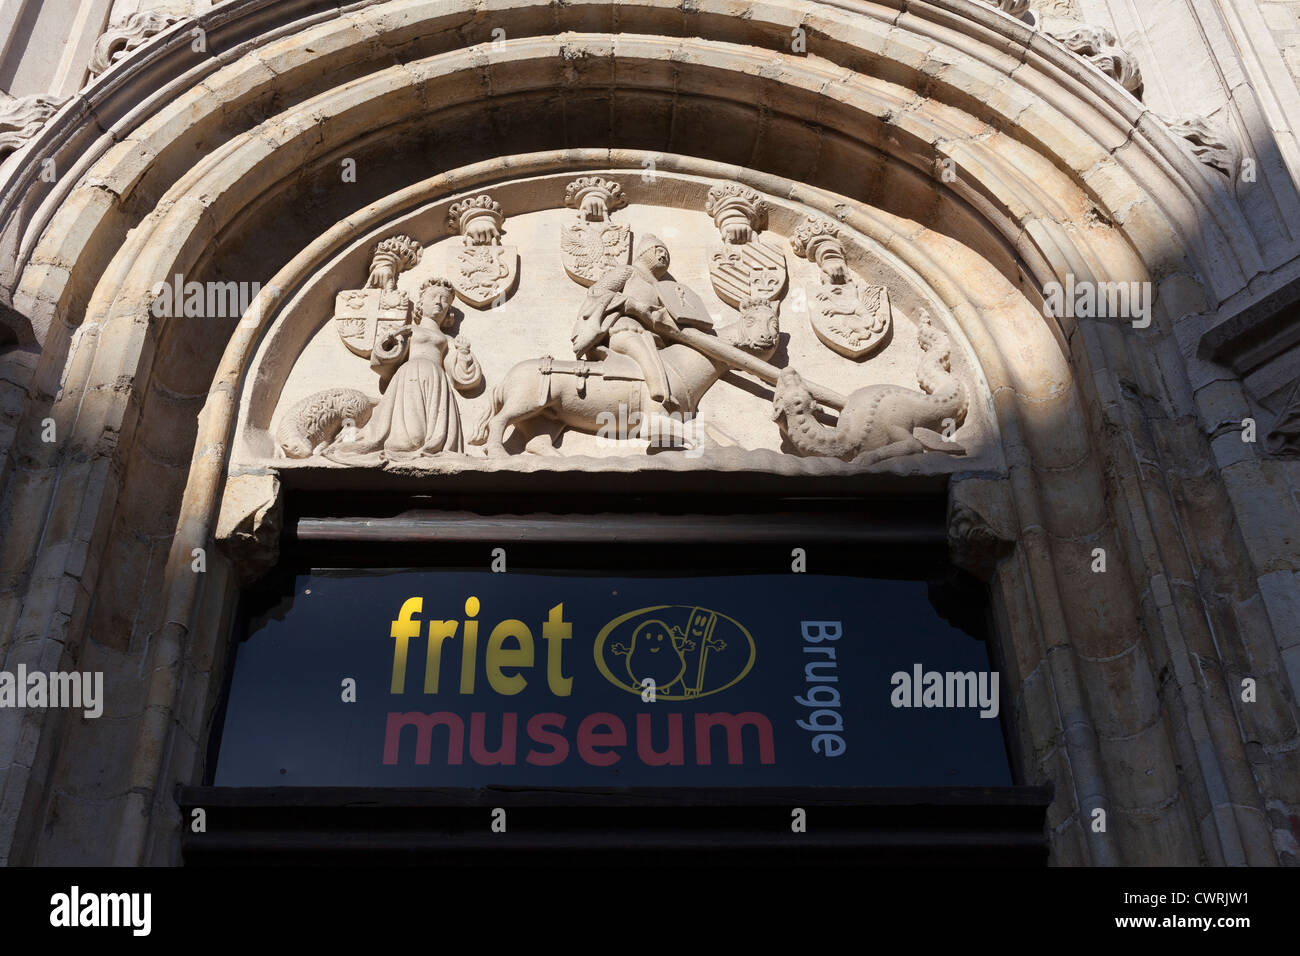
(417,414)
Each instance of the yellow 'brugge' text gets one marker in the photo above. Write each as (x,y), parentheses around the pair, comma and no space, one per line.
(498,656)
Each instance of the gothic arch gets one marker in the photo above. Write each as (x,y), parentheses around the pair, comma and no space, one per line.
(224,165)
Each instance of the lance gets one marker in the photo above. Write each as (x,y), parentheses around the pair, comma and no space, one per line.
(739,358)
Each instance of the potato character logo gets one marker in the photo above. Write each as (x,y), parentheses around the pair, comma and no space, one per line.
(687,650)
(657,653)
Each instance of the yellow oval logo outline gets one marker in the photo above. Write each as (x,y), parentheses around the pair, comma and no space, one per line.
(599,645)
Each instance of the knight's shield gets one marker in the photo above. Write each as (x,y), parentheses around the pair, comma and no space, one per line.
(590,249)
(483,274)
(754,269)
(364,317)
(851,318)
(684,305)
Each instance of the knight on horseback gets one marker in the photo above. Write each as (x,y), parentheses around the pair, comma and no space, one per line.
(622,310)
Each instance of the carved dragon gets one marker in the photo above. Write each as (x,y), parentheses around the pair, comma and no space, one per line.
(878,421)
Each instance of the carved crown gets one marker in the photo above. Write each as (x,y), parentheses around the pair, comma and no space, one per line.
(577,190)
(404,251)
(462,213)
(731,200)
(812,234)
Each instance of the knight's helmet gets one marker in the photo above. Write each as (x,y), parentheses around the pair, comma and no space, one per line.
(649,241)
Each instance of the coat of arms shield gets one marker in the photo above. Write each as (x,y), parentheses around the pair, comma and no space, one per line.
(751,269)
(851,318)
(483,274)
(590,249)
(364,317)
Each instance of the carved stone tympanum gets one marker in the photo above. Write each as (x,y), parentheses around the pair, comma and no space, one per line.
(635,363)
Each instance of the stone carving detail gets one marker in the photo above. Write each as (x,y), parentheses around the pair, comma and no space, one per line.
(364,317)
(849,316)
(249,523)
(744,266)
(417,415)
(120,41)
(1283,439)
(1211,144)
(594,244)
(647,356)
(418,369)
(625,312)
(21,118)
(545,396)
(972,544)
(628,306)
(1015,8)
(1099,47)
(317,420)
(483,271)
(880,421)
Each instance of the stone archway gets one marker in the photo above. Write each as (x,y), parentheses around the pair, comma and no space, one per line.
(1054,172)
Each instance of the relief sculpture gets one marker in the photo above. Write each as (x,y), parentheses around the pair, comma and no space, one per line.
(880,421)
(419,366)
(627,312)
(646,352)
(594,244)
(849,316)
(743,266)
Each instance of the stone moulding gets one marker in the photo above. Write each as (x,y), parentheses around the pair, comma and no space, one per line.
(1098,46)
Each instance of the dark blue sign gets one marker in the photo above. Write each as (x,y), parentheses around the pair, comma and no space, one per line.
(462,679)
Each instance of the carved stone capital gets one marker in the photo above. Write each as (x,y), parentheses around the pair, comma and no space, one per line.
(22,117)
(973,544)
(594,197)
(248,526)
(120,41)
